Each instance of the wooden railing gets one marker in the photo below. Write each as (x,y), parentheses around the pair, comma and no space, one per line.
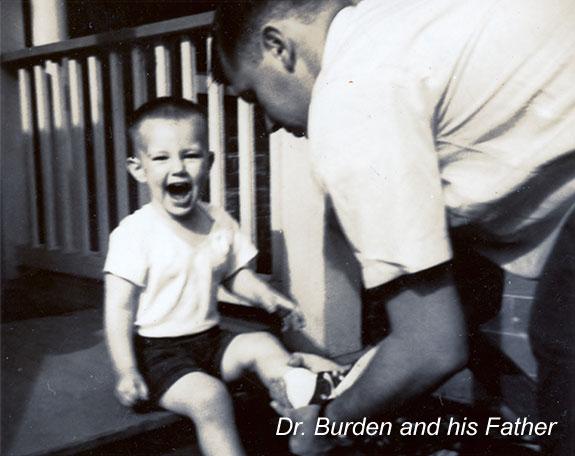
(74,98)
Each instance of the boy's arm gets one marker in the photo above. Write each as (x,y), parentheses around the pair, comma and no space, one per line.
(247,285)
(120,308)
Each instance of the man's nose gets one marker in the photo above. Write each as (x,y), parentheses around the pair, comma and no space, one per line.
(271,125)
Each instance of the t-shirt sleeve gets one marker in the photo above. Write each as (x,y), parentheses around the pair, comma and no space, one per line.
(242,251)
(373,149)
(126,256)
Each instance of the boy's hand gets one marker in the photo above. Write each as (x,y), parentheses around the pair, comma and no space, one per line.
(131,388)
(291,316)
(292,320)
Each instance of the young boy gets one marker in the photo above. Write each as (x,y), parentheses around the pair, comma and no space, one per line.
(164,266)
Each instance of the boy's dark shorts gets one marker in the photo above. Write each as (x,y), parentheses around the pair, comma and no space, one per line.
(164,360)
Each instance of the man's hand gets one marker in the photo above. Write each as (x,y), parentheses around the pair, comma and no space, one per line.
(131,388)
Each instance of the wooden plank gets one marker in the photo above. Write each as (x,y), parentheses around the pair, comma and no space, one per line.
(189,69)
(99,153)
(63,363)
(79,178)
(163,66)
(25,94)
(43,109)
(140,96)
(247,158)
(64,169)
(119,134)
(74,263)
(216,136)
(180,25)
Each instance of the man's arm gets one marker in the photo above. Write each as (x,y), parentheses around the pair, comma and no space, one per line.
(427,344)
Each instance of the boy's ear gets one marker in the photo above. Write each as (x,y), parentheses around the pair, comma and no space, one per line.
(210,160)
(280,47)
(136,169)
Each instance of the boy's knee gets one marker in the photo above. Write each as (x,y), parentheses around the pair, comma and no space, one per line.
(255,343)
(209,398)
(206,400)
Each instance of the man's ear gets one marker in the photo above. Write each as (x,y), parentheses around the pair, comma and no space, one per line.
(280,47)
(136,169)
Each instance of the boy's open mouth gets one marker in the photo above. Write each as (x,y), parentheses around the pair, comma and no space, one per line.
(179,190)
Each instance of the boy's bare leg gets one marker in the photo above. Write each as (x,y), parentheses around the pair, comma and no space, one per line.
(290,383)
(259,352)
(206,401)
(315,363)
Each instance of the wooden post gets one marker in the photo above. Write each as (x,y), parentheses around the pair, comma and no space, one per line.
(247,169)
(48,19)
(216,137)
(312,261)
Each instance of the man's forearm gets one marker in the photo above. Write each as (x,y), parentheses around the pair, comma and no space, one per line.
(427,344)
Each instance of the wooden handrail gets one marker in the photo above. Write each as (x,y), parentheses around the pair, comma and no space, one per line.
(118,37)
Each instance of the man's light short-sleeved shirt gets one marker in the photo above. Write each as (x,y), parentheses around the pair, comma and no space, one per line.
(434,114)
(178,280)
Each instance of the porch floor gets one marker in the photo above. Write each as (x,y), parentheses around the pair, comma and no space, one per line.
(57,388)
(57,381)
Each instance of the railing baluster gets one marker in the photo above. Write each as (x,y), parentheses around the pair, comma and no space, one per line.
(62,155)
(119,136)
(247,159)
(25,94)
(216,136)
(139,84)
(79,178)
(278,243)
(99,154)
(45,140)
(140,95)
(68,171)
(163,70)
(189,69)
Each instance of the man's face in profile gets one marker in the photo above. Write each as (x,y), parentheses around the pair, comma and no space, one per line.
(281,93)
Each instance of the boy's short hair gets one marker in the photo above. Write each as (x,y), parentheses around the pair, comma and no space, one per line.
(236,22)
(172,108)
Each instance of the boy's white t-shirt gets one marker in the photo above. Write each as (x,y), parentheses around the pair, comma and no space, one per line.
(178,281)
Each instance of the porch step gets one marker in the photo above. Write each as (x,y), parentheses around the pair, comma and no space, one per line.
(57,388)
(42,293)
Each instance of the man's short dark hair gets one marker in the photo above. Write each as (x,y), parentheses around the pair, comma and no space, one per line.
(236,25)
(163,108)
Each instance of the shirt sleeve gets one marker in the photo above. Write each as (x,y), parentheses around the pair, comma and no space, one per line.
(373,150)
(242,251)
(127,256)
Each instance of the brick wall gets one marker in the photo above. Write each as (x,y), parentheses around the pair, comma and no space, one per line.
(507,331)
(509,328)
